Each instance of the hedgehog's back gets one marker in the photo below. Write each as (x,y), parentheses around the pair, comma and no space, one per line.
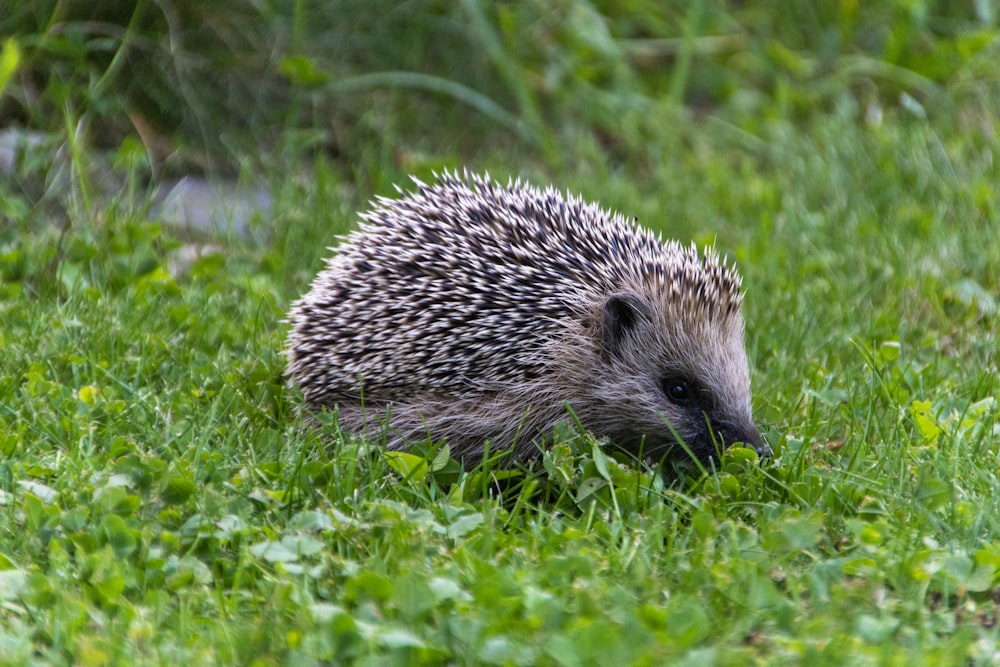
(455,286)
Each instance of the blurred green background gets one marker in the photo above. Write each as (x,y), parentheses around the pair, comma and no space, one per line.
(217,87)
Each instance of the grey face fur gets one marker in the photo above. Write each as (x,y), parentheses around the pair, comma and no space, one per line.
(472,312)
(682,376)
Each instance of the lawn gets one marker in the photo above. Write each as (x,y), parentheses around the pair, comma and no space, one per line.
(163,502)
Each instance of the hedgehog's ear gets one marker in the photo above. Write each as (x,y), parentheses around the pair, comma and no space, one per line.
(622,314)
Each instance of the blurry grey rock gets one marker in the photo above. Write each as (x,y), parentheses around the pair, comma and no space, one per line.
(13,144)
(39,163)
(211,207)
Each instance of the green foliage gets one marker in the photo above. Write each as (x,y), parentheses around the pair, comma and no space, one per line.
(217,79)
(163,502)
(155,476)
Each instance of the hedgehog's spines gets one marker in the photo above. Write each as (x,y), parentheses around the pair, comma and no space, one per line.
(463,287)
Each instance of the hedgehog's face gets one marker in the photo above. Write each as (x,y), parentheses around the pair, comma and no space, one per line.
(673,376)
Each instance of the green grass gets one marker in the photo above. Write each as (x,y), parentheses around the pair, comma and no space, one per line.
(161,502)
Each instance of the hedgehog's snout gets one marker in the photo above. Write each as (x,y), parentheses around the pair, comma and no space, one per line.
(762,448)
(750,437)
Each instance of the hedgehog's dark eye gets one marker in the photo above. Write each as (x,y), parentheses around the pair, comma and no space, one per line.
(678,391)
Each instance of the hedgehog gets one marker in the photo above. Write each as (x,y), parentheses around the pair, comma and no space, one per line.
(484,315)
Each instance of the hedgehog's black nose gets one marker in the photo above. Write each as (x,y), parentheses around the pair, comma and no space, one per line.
(764,451)
(751,438)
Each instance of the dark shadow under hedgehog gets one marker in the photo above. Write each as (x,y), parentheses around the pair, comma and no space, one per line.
(470,311)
